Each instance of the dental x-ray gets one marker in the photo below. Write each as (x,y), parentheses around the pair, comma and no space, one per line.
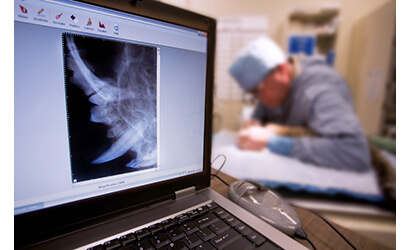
(111,97)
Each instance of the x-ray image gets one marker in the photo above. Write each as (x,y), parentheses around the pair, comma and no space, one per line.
(111,96)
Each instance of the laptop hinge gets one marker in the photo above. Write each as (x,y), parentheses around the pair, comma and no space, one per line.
(184,192)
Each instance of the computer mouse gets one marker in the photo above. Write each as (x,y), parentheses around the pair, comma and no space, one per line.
(265,204)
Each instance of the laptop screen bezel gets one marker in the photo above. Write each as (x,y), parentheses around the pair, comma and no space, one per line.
(59,220)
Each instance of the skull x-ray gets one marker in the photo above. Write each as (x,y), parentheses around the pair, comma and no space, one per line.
(111,96)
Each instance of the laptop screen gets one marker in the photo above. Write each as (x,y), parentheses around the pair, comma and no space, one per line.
(104,101)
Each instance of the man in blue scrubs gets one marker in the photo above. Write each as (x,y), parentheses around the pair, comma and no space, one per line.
(305,109)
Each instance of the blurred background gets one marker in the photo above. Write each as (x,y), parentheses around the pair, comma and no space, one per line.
(357,38)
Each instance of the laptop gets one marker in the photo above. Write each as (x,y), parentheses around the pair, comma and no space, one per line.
(113,127)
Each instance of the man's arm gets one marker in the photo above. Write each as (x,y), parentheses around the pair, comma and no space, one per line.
(289,131)
(340,142)
(349,153)
(344,153)
(334,138)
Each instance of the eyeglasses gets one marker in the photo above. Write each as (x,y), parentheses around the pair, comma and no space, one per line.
(257,90)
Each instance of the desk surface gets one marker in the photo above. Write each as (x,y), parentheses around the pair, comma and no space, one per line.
(320,233)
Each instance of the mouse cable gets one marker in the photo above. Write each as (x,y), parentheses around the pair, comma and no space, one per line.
(219,178)
(219,169)
(311,243)
(332,226)
(335,229)
(301,234)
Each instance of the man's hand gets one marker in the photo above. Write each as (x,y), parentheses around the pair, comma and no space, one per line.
(253,138)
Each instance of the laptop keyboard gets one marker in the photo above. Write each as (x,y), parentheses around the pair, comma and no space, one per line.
(207,227)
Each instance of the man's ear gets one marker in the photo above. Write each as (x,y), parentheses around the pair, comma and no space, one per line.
(283,72)
(283,67)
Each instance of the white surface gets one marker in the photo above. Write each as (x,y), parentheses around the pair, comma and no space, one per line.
(272,167)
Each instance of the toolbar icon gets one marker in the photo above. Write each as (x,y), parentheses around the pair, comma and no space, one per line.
(24,10)
(59,15)
(74,18)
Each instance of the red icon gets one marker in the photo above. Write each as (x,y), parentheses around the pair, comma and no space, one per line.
(24,10)
(102,26)
(59,15)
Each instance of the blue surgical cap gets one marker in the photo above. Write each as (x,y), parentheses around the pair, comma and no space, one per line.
(255,61)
